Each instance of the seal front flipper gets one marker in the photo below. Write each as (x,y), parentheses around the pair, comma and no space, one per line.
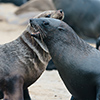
(13,88)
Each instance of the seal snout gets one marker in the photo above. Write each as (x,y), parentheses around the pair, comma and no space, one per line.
(61,14)
(35,31)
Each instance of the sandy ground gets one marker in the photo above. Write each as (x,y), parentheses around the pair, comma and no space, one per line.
(49,86)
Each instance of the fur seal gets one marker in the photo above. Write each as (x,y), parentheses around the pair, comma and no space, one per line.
(16,2)
(77,62)
(81,17)
(22,62)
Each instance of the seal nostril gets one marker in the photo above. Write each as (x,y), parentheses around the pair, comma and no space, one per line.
(61,11)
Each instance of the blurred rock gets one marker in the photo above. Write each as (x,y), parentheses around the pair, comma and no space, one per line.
(35,5)
(16,2)
(8,13)
(30,9)
(82,15)
(21,19)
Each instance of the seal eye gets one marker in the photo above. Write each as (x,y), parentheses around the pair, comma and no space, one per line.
(45,23)
(48,16)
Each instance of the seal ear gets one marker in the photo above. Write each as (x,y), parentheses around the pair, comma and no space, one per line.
(61,28)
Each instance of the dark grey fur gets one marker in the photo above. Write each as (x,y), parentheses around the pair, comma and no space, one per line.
(78,63)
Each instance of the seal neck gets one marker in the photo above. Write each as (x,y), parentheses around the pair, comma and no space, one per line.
(68,42)
(79,43)
(35,46)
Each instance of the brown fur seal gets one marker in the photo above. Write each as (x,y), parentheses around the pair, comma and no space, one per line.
(22,61)
(78,63)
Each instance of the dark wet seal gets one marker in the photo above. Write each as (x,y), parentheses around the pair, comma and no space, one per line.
(22,62)
(77,62)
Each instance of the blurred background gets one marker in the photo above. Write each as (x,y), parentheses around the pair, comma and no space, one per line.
(82,15)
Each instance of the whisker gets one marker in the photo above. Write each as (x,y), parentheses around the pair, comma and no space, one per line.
(42,31)
(41,38)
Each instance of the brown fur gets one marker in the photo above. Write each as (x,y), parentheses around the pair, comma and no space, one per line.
(22,62)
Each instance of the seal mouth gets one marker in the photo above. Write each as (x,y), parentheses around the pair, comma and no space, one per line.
(36,30)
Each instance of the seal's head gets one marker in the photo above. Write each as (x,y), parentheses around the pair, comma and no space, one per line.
(57,14)
(33,27)
(48,30)
(46,27)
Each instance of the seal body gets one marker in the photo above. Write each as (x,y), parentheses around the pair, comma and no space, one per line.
(82,16)
(77,62)
(22,62)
